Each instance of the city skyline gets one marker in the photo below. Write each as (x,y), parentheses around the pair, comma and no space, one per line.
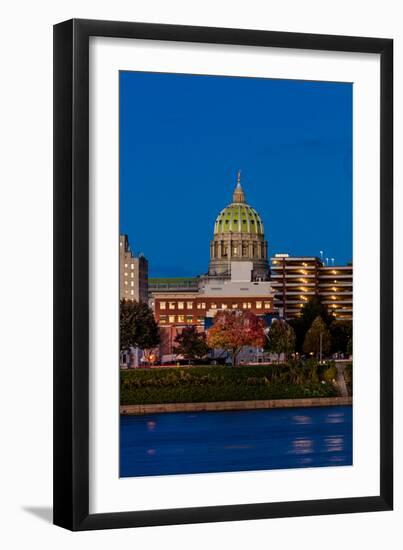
(298,175)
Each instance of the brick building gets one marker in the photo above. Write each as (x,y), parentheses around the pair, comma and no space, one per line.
(174,310)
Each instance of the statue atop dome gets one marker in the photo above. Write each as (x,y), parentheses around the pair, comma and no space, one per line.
(238,195)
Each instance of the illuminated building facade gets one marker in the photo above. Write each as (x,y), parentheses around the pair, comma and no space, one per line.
(240,278)
(174,310)
(297,279)
(133,273)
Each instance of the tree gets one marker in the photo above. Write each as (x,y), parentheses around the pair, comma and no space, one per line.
(341,333)
(234,329)
(317,338)
(138,327)
(313,309)
(281,338)
(191,343)
(309,312)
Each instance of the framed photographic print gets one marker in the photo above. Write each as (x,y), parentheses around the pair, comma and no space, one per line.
(223,274)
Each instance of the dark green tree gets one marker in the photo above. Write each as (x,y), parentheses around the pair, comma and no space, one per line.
(341,333)
(313,309)
(300,330)
(317,337)
(280,338)
(309,312)
(138,327)
(191,343)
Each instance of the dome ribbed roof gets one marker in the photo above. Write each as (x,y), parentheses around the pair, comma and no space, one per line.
(238,217)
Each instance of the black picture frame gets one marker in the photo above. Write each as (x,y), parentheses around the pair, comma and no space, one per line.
(71,274)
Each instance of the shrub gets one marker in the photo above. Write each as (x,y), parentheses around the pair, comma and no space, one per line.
(217,383)
(330,374)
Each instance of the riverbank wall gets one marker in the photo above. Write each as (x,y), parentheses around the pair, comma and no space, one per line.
(235,405)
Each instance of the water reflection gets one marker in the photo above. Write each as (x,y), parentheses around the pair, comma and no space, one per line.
(334,444)
(302,446)
(302,419)
(335,418)
(180,443)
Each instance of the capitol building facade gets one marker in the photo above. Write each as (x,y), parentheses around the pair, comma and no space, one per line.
(239,236)
(237,276)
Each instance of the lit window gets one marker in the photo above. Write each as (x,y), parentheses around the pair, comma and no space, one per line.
(125,266)
(189,318)
(172,318)
(132,266)
(163,318)
(267,305)
(132,292)
(132,275)
(125,274)
(200,320)
(181,305)
(224,306)
(258,305)
(189,305)
(181,318)
(131,283)
(171,305)
(163,305)
(126,283)
(234,306)
(213,306)
(201,305)
(245,305)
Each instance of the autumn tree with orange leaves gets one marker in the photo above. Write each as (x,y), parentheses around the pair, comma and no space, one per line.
(234,329)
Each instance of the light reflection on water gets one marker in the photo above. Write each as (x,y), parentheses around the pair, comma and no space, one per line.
(335,418)
(180,443)
(300,419)
(302,446)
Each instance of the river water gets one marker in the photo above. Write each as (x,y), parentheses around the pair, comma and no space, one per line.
(188,443)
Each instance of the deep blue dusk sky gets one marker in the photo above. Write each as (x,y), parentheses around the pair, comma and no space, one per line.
(183,138)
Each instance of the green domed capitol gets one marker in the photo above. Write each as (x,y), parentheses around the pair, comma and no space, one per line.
(238,236)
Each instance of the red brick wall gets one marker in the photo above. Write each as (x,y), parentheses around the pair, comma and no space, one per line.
(195,314)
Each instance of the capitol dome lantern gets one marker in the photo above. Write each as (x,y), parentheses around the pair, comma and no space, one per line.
(238,236)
